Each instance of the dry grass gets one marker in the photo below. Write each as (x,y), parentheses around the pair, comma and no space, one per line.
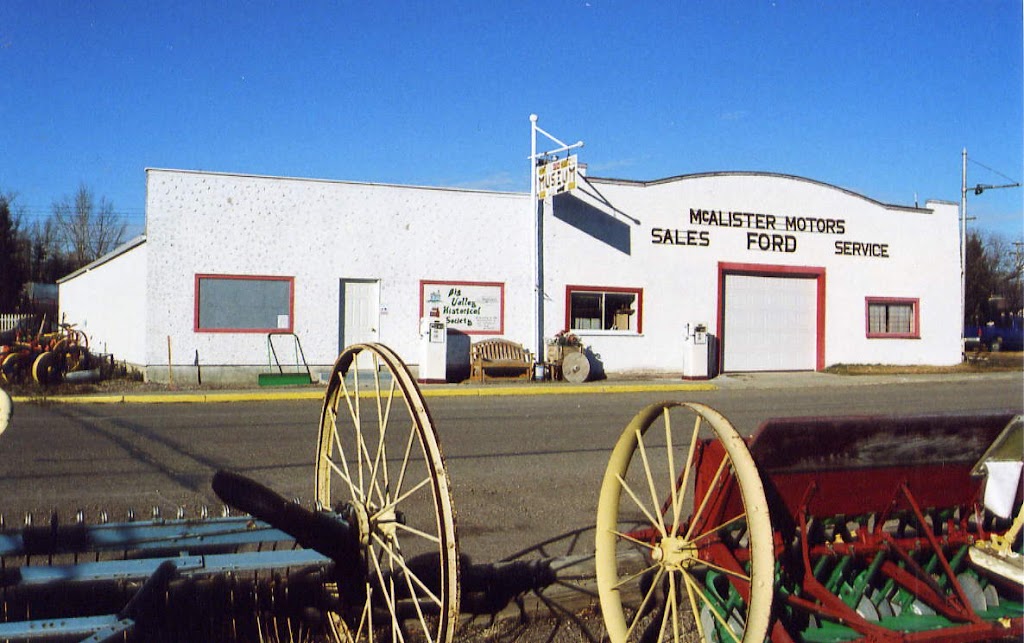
(976,362)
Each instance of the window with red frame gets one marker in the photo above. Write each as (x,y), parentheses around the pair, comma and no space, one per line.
(243,304)
(889,317)
(594,308)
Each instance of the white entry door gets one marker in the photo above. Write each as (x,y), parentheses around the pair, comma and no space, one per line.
(360,313)
(770,324)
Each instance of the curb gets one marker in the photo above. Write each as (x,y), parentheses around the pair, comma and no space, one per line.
(261,396)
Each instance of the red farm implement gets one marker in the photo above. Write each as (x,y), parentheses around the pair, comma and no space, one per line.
(825,530)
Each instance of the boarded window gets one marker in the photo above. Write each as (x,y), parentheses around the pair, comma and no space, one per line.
(233,303)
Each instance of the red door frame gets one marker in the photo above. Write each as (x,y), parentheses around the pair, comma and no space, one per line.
(766,270)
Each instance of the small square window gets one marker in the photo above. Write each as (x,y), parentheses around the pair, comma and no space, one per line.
(892,317)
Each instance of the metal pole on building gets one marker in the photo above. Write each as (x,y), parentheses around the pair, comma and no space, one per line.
(538,230)
(538,217)
(963,243)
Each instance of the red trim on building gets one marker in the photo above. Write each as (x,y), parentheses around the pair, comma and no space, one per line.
(291,304)
(639,292)
(768,270)
(492,284)
(915,331)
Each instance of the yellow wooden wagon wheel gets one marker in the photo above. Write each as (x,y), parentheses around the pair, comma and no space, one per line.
(657,582)
(379,464)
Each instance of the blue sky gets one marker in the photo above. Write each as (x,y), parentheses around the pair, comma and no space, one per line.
(876,97)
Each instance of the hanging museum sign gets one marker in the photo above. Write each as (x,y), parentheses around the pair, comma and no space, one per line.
(556,177)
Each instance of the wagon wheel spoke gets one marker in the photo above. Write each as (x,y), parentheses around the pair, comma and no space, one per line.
(646,602)
(388,597)
(416,532)
(691,595)
(636,575)
(687,467)
(630,538)
(648,514)
(379,460)
(396,560)
(355,489)
(710,605)
(717,489)
(698,514)
(649,477)
(714,530)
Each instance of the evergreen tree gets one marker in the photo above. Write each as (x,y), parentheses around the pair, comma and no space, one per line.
(993,270)
(12,269)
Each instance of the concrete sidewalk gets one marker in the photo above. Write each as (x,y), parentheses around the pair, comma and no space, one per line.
(614,384)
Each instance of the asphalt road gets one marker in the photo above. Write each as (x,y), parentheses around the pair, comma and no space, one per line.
(524,469)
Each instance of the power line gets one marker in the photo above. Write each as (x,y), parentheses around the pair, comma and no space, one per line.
(42,215)
(49,208)
(992,170)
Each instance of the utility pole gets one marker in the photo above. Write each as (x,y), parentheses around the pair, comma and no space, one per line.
(978,190)
(963,241)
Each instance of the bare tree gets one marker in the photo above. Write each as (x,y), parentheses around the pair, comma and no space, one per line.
(46,261)
(87,230)
(1007,266)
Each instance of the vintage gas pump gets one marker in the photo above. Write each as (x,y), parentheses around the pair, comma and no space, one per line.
(695,352)
(433,350)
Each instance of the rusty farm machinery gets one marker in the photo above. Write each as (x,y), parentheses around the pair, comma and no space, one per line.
(46,358)
(813,529)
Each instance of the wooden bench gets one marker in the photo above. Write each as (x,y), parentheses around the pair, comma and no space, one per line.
(499,358)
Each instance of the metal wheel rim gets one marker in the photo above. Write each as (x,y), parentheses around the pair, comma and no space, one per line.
(45,369)
(359,408)
(13,368)
(676,575)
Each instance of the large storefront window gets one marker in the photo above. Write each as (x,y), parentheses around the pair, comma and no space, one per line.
(888,317)
(595,308)
(243,304)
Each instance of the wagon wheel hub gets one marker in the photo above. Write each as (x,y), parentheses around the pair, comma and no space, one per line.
(358,516)
(675,553)
(386,522)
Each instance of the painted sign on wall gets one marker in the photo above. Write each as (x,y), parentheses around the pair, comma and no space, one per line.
(474,308)
(785,240)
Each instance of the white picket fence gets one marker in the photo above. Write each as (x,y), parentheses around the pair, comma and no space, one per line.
(9,321)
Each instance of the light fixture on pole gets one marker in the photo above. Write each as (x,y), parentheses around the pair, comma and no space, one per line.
(979,188)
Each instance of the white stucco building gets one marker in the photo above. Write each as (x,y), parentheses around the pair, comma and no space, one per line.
(785,272)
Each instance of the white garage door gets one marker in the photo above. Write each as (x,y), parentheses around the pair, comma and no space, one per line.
(770,324)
